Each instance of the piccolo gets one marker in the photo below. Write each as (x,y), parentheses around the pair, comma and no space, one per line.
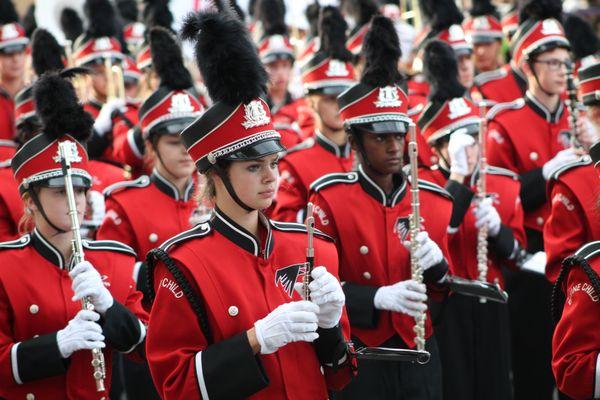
(572,104)
(67,151)
(310,250)
(482,233)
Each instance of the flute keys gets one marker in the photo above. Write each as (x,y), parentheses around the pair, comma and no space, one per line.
(233,311)
(34,308)
(364,250)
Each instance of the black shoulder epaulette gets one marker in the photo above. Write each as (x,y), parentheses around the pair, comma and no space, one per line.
(199,230)
(485,77)
(300,228)
(306,144)
(432,187)
(140,182)
(501,107)
(330,179)
(583,161)
(111,245)
(502,171)
(415,110)
(21,242)
(589,251)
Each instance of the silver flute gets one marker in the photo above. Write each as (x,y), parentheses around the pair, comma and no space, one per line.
(482,234)
(310,250)
(68,154)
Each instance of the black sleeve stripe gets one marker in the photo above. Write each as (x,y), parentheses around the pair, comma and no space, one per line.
(36,359)
(21,242)
(301,228)
(199,230)
(432,187)
(111,245)
(491,170)
(579,163)
(330,179)
(589,250)
(140,182)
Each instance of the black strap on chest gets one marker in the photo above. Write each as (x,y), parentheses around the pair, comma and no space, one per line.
(195,299)
(558,296)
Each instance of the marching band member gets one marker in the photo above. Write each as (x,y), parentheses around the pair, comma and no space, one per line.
(572,189)
(170,189)
(13,44)
(242,330)
(576,344)
(325,76)
(45,336)
(472,336)
(543,53)
(367,212)
(359,14)
(483,30)
(277,54)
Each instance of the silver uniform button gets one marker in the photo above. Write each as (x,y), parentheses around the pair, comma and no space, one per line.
(233,311)
(367,275)
(540,221)
(30,396)
(533,156)
(364,250)
(153,237)
(34,309)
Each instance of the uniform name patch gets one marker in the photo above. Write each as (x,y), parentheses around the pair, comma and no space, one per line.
(172,287)
(583,287)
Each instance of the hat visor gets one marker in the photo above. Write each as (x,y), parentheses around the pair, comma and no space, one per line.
(470,129)
(59,181)
(171,127)
(329,90)
(270,58)
(483,39)
(256,150)
(382,127)
(13,49)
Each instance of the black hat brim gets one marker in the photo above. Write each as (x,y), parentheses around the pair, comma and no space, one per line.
(382,127)
(59,181)
(255,151)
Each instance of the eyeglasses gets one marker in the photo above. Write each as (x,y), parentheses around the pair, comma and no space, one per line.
(554,64)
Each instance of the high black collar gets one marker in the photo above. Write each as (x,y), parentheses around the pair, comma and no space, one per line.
(276,107)
(46,250)
(169,189)
(240,236)
(540,109)
(342,151)
(519,78)
(376,192)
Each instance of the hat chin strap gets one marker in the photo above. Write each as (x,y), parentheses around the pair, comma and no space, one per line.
(38,204)
(537,80)
(223,175)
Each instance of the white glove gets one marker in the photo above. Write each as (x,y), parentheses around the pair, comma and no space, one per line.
(290,322)
(103,123)
(561,158)
(486,214)
(407,297)
(326,292)
(428,253)
(81,333)
(88,283)
(459,141)
(536,263)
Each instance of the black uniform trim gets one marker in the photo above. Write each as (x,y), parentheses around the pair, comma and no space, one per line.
(111,245)
(488,76)
(583,161)
(435,273)
(342,151)
(550,116)
(121,328)
(295,227)
(240,236)
(198,231)
(501,107)
(330,179)
(230,370)
(432,187)
(169,189)
(360,305)
(377,193)
(331,346)
(589,250)
(463,196)
(140,182)
(533,189)
(491,170)
(306,144)
(19,243)
(38,358)
(504,244)
(46,250)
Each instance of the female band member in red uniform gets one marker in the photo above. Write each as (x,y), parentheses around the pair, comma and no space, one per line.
(227,321)
(45,336)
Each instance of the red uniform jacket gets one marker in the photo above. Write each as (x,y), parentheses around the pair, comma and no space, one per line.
(285,121)
(522,137)
(576,340)
(7,116)
(11,205)
(369,228)
(241,281)
(302,166)
(128,205)
(502,85)
(503,186)
(573,192)
(35,303)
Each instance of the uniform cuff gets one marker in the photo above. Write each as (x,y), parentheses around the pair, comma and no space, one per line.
(360,306)
(36,359)
(462,200)
(122,329)
(533,189)
(331,346)
(503,244)
(229,367)
(434,274)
